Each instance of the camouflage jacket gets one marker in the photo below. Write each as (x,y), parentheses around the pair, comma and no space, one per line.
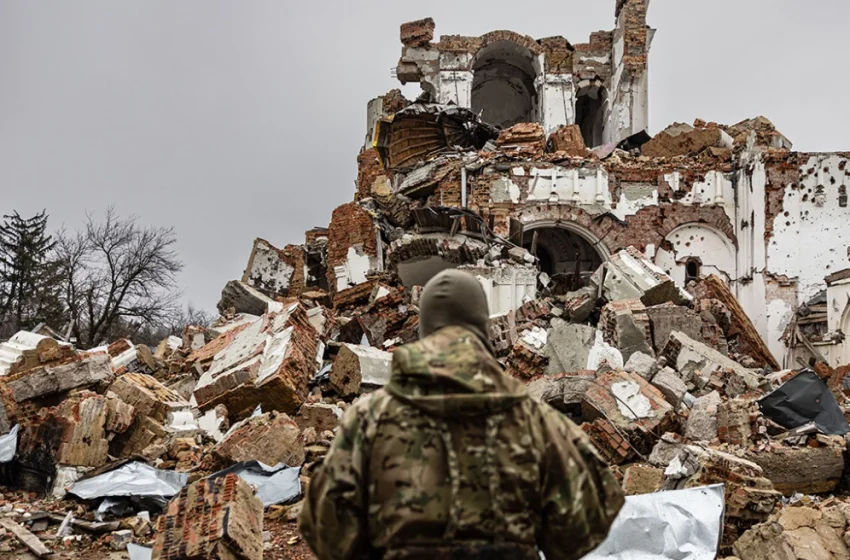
(453,453)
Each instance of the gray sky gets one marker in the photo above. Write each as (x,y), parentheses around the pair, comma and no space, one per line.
(232,120)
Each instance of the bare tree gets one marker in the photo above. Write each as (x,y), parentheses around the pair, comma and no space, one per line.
(117,277)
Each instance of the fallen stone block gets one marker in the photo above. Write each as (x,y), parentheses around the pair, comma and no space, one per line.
(522,139)
(625,325)
(611,442)
(634,406)
(503,331)
(356,365)
(797,533)
(628,274)
(666,449)
(702,420)
(27,350)
(271,270)
(671,386)
(807,470)
(51,380)
(269,438)
(321,416)
(666,319)
(119,415)
(142,433)
(527,359)
(580,304)
(642,479)
(642,364)
(568,347)
(690,357)
(242,298)
(218,518)
(268,363)
(138,358)
(69,434)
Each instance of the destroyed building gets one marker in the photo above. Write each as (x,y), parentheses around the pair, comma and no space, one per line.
(652,288)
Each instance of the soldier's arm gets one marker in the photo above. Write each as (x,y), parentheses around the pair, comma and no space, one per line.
(581,496)
(333,518)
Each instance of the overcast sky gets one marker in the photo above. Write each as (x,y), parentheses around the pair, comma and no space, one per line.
(237,119)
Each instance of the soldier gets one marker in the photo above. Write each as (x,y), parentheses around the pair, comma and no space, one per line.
(453,459)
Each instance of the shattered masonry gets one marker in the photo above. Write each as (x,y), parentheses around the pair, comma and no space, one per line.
(653,289)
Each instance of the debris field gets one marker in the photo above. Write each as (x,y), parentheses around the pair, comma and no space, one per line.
(650,288)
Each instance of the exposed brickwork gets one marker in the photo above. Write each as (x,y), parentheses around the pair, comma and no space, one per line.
(369,168)
(350,226)
(417,33)
(559,55)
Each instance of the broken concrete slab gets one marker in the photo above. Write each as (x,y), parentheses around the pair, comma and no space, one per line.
(242,298)
(355,365)
(568,348)
(666,319)
(628,401)
(270,438)
(642,364)
(218,518)
(689,357)
(628,274)
(671,386)
(625,325)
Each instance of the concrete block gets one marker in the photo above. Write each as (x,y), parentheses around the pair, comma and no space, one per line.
(269,438)
(702,420)
(666,319)
(642,364)
(671,386)
(355,365)
(628,274)
(219,518)
(568,348)
(689,356)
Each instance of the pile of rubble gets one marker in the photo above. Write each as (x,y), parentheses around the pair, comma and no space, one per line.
(596,260)
(674,387)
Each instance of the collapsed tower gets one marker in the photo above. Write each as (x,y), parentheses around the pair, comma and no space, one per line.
(529,163)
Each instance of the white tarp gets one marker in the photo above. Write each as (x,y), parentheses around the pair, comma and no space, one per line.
(133,479)
(679,525)
(9,445)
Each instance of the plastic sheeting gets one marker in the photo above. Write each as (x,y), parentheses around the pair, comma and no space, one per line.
(275,485)
(9,445)
(133,479)
(802,399)
(681,524)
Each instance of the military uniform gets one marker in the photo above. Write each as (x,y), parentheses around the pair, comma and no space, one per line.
(453,459)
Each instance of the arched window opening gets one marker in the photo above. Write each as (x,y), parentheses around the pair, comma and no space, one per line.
(503,91)
(692,270)
(567,257)
(590,114)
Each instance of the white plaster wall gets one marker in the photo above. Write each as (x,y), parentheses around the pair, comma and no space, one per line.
(749,222)
(576,186)
(810,241)
(508,287)
(353,270)
(556,93)
(715,190)
(455,87)
(268,270)
(713,248)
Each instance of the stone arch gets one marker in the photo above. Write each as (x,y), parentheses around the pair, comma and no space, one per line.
(566,251)
(504,71)
(697,241)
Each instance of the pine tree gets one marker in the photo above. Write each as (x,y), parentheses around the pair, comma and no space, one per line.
(28,277)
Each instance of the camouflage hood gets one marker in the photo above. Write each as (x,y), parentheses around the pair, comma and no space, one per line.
(452,373)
